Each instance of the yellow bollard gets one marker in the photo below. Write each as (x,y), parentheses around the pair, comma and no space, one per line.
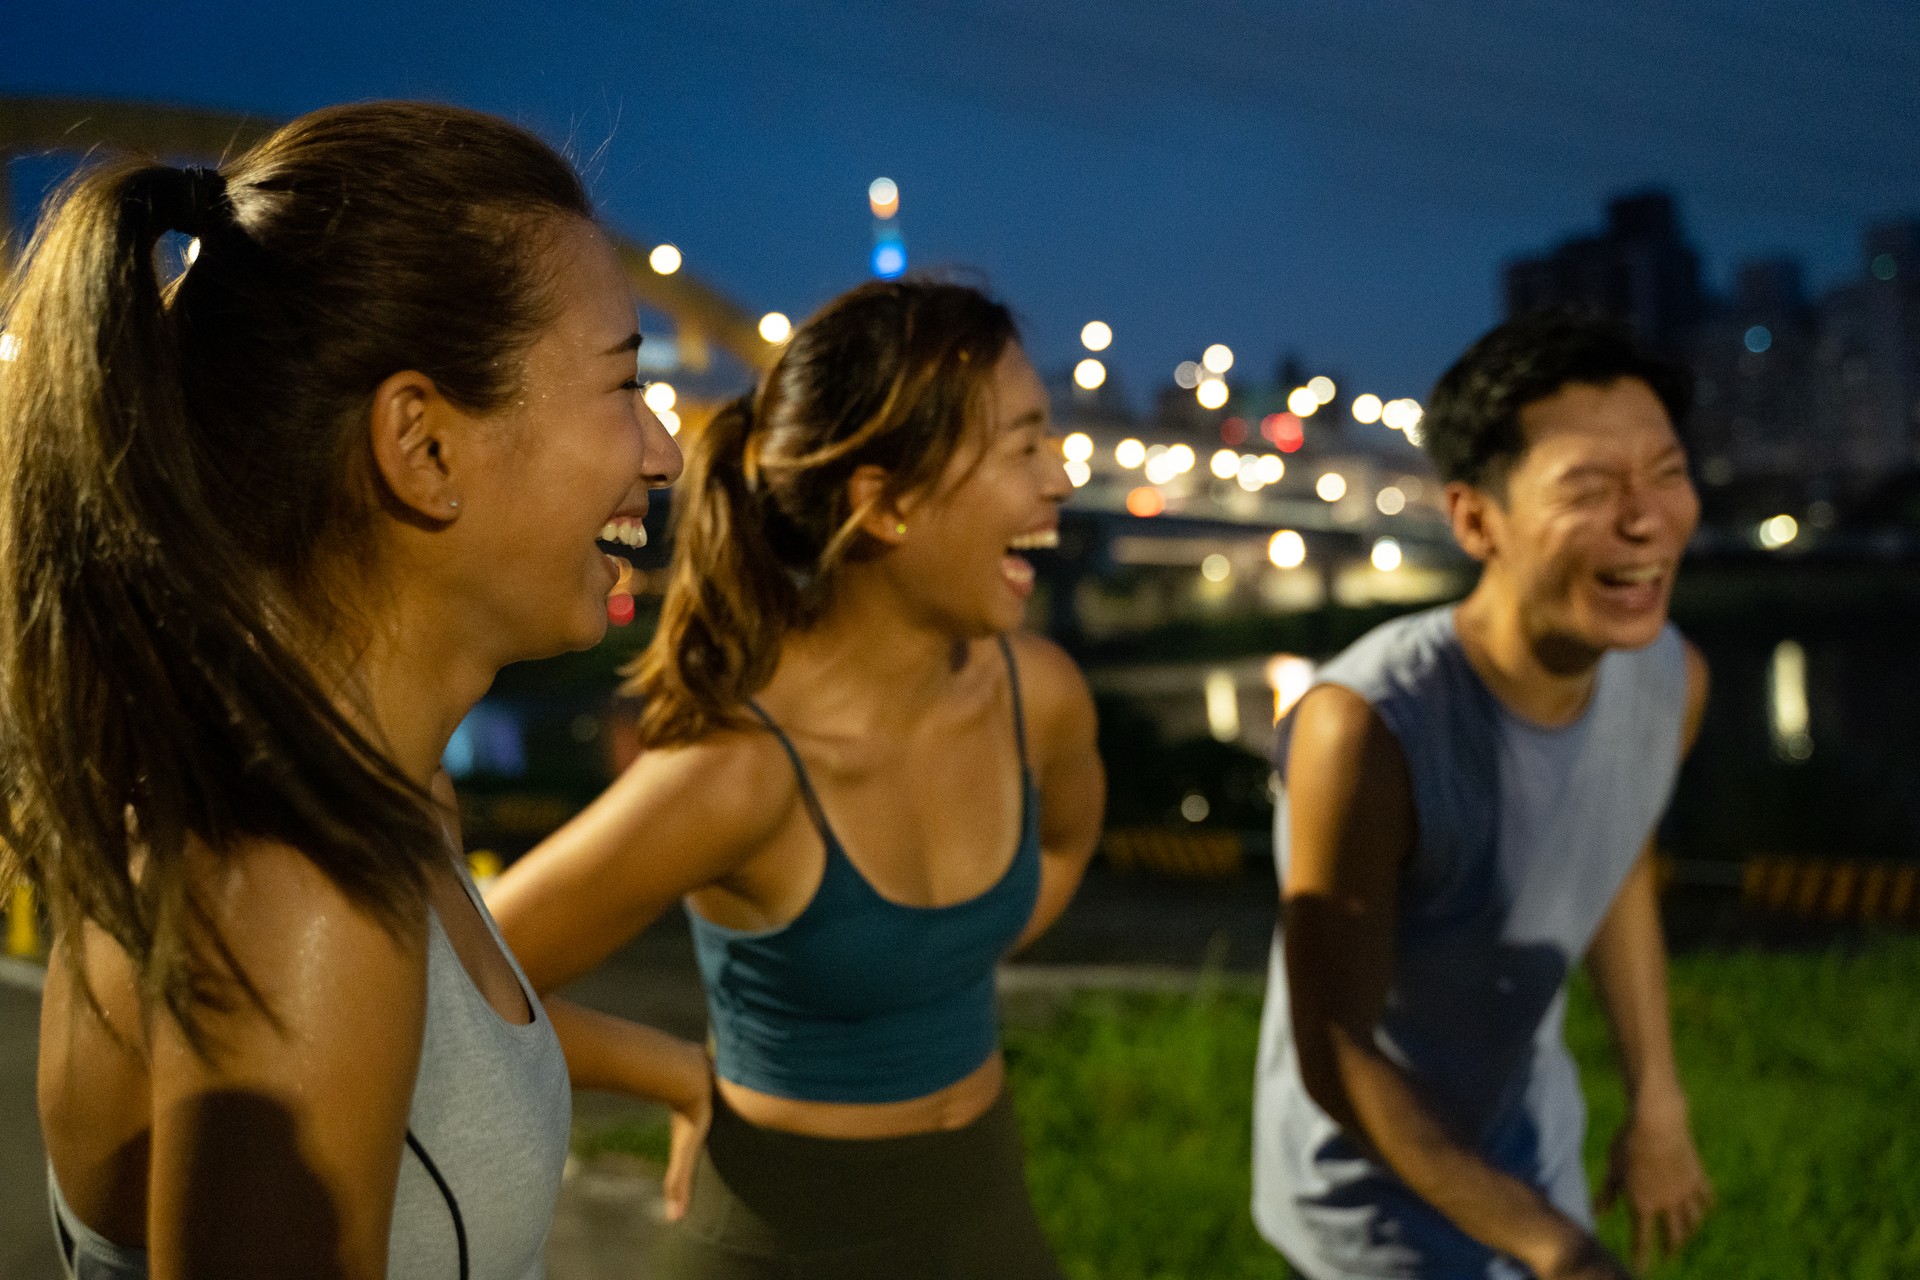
(484,866)
(23,923)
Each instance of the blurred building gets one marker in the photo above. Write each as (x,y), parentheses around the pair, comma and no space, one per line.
(1819,394)
(1640,268)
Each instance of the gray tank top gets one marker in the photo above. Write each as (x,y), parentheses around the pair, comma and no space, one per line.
(491,1116)
(1524,837)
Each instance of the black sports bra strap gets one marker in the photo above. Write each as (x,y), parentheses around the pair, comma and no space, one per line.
(811,800)
(1019,714)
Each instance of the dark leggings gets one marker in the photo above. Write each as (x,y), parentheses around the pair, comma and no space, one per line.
(944,1206)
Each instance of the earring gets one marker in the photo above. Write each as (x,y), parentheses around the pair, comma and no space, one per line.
(900,529)
(453,503)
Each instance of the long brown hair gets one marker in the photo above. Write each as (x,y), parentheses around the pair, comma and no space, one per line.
(887,374)
(188,471)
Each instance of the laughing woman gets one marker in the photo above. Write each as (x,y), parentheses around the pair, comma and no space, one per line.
(268,531)
(867,787)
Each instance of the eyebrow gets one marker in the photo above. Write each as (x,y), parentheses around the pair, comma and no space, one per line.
(1031,418)
(629,343)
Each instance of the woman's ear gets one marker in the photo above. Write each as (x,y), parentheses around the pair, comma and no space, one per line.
(882,518)
(414,432)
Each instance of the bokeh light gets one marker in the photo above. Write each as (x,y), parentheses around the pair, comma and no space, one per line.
(1146,501)
(883,195)
(1089,374)
(1077,447)
(1390,500)
(1287,549)
(660,396)
(1216,568)
(1331,487)
(1096,335)
(1078,472)
(1302,403)
(1183,458)
(1386,555)
(1778,532)
(670,420)
(775,327)
(665,259)
(1323,389)
(1130,453)
(1759,339)
(1212,393)
(1270,468)
(1366,408)
(1225,464)
(1186,375)
(1217,358)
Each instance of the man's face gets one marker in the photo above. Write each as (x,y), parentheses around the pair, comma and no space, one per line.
(1598,509)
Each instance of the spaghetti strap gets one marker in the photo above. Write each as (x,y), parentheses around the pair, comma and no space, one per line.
(1019,715)
(807,795)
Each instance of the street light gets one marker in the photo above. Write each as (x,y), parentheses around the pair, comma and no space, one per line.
(1287,549)
(665,259)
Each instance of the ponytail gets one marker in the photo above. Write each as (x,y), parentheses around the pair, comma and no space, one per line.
(889,374)
(730,597)
(174,456)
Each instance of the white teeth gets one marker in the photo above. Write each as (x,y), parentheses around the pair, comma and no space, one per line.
(1635,577)
(626,531)
(1035,541)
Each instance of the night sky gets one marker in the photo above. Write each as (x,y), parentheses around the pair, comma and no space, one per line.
(1339,179)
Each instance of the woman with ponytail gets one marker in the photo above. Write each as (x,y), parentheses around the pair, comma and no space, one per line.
(866,785)
(271,525)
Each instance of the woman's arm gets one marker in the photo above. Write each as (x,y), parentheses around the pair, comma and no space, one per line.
(276,1153)
(1066,764)
(677,820)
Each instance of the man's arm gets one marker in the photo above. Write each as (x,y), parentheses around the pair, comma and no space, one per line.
(1352,828)
(1654,1161)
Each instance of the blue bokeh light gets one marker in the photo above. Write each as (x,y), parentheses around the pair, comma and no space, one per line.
(889,259)
(1759,338)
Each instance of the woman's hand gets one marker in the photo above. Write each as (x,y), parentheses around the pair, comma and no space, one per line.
(690,1124)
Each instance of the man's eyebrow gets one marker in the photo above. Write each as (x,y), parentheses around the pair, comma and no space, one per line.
(629,343)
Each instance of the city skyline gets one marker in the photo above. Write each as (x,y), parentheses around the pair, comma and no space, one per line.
(1344,188)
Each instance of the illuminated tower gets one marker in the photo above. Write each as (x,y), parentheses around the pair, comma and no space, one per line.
(889,250)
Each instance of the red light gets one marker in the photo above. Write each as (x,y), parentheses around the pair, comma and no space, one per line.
(619,608)
(1233,432)
(1146,501)
(1284,431)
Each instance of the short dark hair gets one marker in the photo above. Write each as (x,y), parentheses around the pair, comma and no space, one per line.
(1472,423)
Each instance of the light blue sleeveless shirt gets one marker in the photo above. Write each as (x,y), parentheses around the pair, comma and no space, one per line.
(1525,835)
(486,1143)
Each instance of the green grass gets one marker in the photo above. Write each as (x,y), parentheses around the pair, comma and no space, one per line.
(1803,1071)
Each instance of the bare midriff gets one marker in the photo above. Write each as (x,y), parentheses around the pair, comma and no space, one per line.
(954,1107)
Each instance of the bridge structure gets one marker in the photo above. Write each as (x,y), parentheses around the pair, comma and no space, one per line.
(703,316)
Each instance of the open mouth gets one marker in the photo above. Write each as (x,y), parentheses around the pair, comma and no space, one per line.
(1640,576)
(621,536)
(1016,568)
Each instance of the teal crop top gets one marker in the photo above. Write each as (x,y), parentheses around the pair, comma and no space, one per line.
(859,998)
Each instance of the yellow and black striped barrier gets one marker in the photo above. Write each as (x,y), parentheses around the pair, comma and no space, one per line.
(1836,891)
(1184,855)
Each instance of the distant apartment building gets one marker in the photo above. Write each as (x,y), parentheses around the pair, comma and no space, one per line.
(1825,391)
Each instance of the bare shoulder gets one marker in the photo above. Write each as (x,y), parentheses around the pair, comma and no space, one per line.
(1058,702)
(301,940)
(1335,720)
(719,798)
